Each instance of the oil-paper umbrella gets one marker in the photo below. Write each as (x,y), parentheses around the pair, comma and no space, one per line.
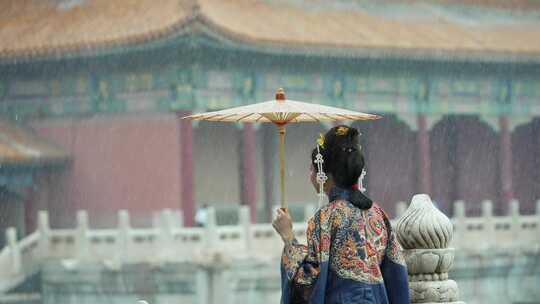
(281,112)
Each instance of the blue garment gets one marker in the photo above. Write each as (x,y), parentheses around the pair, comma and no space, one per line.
(351,256)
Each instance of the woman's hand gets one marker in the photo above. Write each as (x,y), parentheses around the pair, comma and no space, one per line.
(283,225)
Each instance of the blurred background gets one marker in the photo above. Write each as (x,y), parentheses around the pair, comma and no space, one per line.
(91,98)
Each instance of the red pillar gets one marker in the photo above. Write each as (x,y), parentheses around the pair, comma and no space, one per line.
(186,171)
(507,191)
(424,159)
(248,172)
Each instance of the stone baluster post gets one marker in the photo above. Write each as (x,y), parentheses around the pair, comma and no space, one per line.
(425,233)
(123,238)
(82,243)
(515,225)
(213,261)
(14,250)
(489,224)
(211,228)
(44,231)
(460,228)
(166,235)
(244,219)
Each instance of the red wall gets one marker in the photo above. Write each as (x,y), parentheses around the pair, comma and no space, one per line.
(443,164)
(389,148)
(526,164)
(478,169)
(464,163)
(127,162)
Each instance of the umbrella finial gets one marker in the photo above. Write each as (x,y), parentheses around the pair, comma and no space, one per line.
(280,95)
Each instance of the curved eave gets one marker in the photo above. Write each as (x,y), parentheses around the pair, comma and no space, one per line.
(202,32)
(139,42)
(273,48)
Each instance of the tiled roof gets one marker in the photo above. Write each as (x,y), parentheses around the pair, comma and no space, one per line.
(34,27)
(413,28)
(501,4)
(21,146)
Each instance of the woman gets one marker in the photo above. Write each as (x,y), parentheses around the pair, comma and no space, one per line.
(352,255)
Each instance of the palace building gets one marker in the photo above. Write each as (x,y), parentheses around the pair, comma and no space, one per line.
(92,93)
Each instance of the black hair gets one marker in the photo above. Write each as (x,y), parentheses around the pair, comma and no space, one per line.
(344,161)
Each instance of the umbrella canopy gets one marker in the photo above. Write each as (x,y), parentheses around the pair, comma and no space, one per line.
(282,112)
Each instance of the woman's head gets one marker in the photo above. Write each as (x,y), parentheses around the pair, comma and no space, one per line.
(343,160)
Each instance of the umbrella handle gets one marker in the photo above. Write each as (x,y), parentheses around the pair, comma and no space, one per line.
(281,130)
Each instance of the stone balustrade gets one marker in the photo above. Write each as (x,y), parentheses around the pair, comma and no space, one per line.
(213,246)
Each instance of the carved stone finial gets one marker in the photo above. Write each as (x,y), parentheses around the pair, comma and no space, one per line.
(423,226)
(425,233)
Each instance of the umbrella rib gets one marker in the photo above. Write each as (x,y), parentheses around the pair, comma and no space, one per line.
(227,116)
(244,117)
(316,119)
(211,116)
(345,116)
(260,117)
(332,118)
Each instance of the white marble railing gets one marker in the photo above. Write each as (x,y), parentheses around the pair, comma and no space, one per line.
(168,241)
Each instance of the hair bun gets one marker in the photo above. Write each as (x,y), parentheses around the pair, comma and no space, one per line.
(343,138)
(353,134)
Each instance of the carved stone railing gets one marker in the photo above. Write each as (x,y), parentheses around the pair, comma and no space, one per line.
(168,242)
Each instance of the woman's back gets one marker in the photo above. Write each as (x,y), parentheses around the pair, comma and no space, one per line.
(351,255)
(359,241)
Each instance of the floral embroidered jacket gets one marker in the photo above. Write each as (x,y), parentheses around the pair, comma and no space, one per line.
(351,256)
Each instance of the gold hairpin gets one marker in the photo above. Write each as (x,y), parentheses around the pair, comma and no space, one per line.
(342,131)
(320,140)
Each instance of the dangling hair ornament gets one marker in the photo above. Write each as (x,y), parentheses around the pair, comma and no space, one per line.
(362,175)
(361,181)
(321,176)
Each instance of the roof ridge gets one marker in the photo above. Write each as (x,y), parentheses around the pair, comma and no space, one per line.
(254,25)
